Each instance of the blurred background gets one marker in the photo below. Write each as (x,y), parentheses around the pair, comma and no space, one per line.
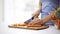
(1,11)
(18,11)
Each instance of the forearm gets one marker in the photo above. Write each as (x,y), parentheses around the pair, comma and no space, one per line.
(39,9)
(48,18)
(37,13)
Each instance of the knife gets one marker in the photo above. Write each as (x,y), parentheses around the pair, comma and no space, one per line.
(29,20)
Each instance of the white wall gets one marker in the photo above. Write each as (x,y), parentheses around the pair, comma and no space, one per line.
(1,10)
(18,11)
(9,14)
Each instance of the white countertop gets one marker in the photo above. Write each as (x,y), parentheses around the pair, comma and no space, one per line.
(5,30)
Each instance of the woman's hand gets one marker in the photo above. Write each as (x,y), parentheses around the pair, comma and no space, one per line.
(36,21)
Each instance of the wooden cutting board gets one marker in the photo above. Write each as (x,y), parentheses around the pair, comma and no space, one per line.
(29,27)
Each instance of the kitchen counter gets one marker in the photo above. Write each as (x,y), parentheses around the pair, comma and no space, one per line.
(4,29)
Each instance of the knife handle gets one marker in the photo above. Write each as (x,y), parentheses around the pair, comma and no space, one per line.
(32,18)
